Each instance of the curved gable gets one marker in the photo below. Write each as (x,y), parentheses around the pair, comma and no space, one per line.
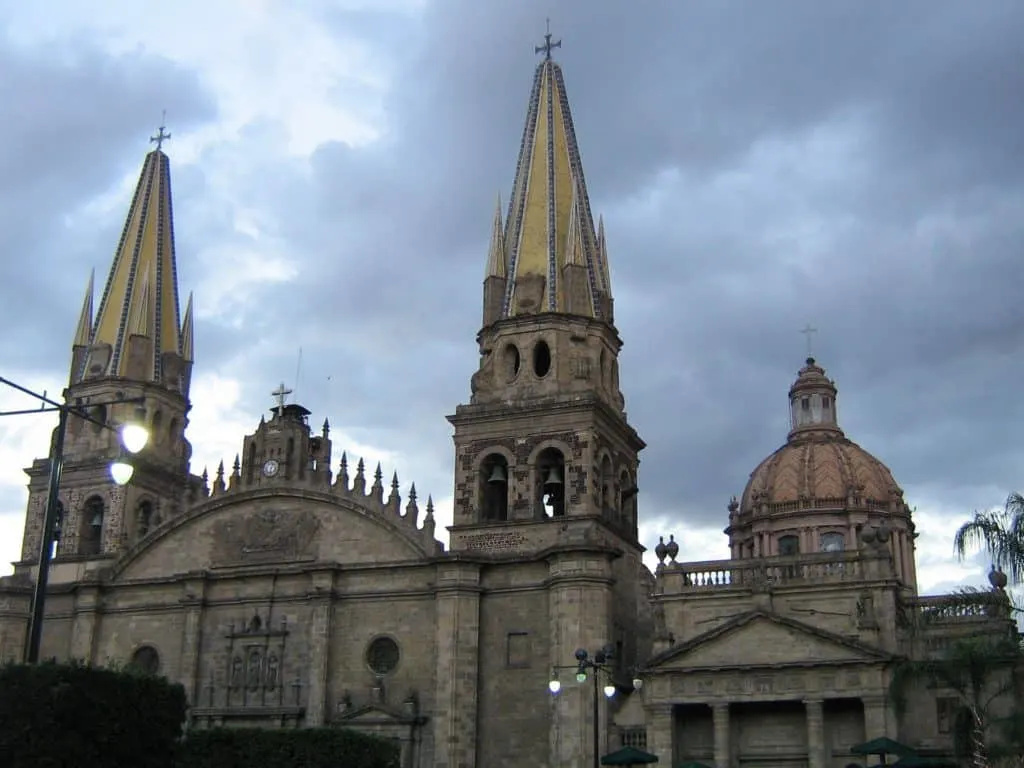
(266,527)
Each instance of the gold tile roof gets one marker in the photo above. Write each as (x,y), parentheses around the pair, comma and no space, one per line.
(549,223)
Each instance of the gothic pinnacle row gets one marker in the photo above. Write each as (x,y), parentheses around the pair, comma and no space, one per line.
(547,255)
(138,329)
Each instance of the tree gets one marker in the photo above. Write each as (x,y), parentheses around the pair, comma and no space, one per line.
(999,532)
(979,671)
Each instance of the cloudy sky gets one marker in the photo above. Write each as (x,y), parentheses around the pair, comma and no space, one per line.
(760,165)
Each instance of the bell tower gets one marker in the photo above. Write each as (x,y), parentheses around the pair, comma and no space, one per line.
(545,435)
(137,345)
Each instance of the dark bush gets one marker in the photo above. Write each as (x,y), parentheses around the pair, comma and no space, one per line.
(59,715)
(299,748)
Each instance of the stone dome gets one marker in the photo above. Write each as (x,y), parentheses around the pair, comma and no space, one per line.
(819,467)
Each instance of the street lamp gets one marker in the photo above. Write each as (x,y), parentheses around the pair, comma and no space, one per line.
(596,665)
(134,437)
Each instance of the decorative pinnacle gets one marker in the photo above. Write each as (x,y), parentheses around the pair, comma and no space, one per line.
(548,45)
(394,481)
(412,493)
(161,134)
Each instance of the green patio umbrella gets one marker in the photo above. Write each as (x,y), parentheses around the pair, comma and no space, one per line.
(629,756)
(693,764)
(916,761)
(882,747)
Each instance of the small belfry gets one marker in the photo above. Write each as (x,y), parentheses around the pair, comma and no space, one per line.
(547,255)
(138,332)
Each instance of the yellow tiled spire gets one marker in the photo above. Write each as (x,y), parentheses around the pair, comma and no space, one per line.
(83,333)
(549,222)
(496,264)
(138,326)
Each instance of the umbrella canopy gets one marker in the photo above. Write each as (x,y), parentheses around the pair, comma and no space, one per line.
(629,756)
(883,746)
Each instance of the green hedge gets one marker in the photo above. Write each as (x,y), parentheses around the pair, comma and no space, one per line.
(299,748)
(56,715)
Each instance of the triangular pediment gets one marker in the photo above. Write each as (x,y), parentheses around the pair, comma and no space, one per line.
(375,714)
(758,639)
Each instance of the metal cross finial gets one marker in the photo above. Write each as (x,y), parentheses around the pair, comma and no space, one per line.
(808,331)
(161,134)
(548,45)
(281,393)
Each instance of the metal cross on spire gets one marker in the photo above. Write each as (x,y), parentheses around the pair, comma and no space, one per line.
(807,332)
(161,134)
(548,45)
(280,394)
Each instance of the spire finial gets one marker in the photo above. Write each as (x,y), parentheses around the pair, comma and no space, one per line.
(161,134)
(807,331)
(548,45)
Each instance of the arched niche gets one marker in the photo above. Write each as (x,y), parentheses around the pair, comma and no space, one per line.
(493,487)
(157,426)
(146,660)
(90,526)
(549,483)
(627,498)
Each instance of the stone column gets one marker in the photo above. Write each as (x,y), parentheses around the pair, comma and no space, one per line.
(720,713)
(660,728)
(321,593)
(457,641)
(815,734)
(192,600)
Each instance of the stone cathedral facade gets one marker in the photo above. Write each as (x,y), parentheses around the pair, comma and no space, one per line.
(297,587)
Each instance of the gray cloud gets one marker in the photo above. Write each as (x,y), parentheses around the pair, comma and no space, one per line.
(851,164)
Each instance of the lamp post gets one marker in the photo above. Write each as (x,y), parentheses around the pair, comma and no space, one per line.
(134,437)
(597,664)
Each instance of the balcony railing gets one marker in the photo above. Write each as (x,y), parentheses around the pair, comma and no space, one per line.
(745,574)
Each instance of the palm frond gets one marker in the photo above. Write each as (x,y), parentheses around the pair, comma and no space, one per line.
(999,532)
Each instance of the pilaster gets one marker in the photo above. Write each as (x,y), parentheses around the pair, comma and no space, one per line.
(193,598)
(579,615)
(720,714)
(815,733)
(83,630)
(321,593)
(458,654)
(659,732)
(879,718)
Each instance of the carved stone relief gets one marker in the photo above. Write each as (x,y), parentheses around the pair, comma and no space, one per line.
(265,535)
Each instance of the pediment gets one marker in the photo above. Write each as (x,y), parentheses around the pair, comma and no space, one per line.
(270,529)
(374,714)
(758,639)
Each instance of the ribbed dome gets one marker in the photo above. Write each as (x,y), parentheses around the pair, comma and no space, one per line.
(819,471)
(818,467)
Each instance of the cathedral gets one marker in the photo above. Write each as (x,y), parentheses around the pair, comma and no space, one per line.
(298,587)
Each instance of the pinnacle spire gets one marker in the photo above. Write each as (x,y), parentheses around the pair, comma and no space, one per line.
(549,222)
(187,333)
(496,265)
(83,333)
(138,329)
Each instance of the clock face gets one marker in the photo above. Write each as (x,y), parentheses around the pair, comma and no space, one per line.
(270,468)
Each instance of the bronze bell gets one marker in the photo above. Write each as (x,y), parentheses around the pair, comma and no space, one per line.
(554,477)
(497,475)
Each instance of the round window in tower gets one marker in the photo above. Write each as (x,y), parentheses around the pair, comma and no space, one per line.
(382,655)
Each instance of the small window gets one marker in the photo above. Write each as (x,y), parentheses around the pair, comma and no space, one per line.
(146,660)
(805,403)
(510,360)
(832,542)
(825,402)
(633,737)
(517,650)
(789,545)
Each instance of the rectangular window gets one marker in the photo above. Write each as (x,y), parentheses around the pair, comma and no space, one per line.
(805,403)
(633,737)
(945,713)
(824,402)
(517,650)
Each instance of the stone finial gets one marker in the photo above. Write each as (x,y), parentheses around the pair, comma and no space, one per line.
(236,468)
(343,471)
(412,510)
(326,428)
(218,483)
(734,506)
(660,550)
(429,525)
(395,498)
(377,490)
(359,483)
(672,548)
(997,579)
